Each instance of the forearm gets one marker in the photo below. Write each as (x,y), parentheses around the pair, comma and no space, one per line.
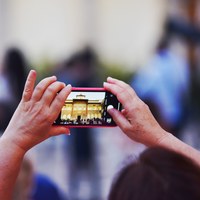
(10,161)
(173,143)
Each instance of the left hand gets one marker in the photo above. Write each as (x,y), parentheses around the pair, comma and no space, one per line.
(35,114)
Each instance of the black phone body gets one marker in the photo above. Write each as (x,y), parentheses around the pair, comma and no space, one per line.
(87,107)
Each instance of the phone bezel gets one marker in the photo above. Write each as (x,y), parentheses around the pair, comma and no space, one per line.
(90,89)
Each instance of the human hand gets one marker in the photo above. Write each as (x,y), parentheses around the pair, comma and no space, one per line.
(136,119)
(35,114)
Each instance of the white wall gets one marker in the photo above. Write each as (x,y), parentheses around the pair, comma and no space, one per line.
(44,28)
(3,26)
(122,31)
(128,29)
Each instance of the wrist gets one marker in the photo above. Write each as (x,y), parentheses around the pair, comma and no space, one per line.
(158,137)
(11,146)
(165,139)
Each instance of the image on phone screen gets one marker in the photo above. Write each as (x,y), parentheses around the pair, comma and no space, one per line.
(88,108)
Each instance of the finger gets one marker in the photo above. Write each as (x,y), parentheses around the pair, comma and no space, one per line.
(58,130)
(124,112)
(110,87)
(121,84)
(29,86)
(59,101)
(116,81)
(51,92)
(41,87)
(119,119)
(124,97)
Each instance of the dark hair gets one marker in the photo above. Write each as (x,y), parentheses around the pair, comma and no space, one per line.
(86,56)
(15,69)
(158,174)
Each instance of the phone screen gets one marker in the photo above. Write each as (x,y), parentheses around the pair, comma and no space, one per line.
(88,108)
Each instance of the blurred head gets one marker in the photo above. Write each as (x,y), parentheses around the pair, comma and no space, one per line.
(14,66)
(158,174)
(6,112)
(82,66)
(24,183)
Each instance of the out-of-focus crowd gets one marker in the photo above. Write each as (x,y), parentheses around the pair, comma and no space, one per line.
(82,165)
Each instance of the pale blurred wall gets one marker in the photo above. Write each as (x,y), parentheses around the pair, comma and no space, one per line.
(122,31)
(44,28)
(2,27)
(129,29)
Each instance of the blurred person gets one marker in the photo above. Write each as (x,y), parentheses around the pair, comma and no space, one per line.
(41,105)
(164,82)
(24,182)
(12,80)
(82,70)
(45,188)
(15,70)
(157,174)
(31,185)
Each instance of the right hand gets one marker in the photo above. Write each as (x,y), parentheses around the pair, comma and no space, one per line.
(136,119)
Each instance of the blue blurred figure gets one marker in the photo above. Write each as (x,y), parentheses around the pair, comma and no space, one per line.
(45,189)
(164,85)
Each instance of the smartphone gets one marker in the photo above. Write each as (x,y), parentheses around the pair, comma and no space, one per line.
(87,107)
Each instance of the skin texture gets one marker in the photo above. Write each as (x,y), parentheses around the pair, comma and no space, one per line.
(138,123)
(31,124)
(39,107)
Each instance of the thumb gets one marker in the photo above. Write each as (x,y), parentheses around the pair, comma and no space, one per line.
(59,130)
(119,119)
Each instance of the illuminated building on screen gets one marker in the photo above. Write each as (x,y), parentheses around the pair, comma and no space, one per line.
(82,109)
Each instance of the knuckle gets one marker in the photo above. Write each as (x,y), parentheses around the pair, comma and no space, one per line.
(125,128)
(144,106)
(59,98)
(42,111)
(38,88)
(127,86)
(122,95)
(27,90)
(50,89)
(26,93)
(46,117)
(45,80)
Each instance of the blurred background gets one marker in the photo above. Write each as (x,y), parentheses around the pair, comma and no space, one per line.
(151,44)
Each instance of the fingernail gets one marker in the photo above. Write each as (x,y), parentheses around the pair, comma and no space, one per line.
(109,77)
(54,77)
(110,107)
(69,86)
(32,71)
(68,131)
(63,84)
